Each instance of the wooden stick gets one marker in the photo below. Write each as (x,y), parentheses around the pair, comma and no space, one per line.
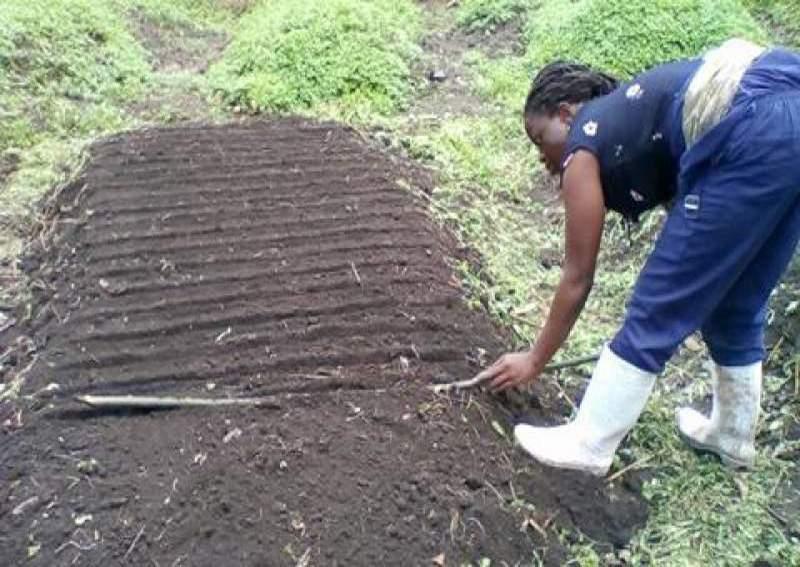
(483,376)
(571,363)
(564,395)
(355,273)
(633,465)
(786,523)
(155,402)
(133,543)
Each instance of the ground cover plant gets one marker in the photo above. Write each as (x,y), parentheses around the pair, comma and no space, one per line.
(298,57)
(74,70)
(624,37)
(64,67)
(475,15)
(782,17)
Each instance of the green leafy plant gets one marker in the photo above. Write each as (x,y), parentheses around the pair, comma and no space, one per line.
(189,13)
(76,48)
(782,16)
(625,37)
(485,14)
(60,62)
(289,56)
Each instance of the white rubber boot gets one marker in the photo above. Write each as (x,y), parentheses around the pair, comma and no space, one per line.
(611,405)
(730,432)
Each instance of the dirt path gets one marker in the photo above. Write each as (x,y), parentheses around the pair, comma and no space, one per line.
(175,47)
(274,258)
(180,55)
(443,67)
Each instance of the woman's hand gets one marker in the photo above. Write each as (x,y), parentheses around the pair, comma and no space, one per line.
(513,369)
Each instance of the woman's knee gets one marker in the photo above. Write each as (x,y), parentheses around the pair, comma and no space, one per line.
(734,345)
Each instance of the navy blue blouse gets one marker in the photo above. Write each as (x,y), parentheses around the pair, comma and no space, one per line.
(635,132)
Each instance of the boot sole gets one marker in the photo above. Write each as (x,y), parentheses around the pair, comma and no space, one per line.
(598,472)
(727,460)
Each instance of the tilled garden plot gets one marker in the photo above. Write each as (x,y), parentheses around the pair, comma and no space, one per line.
(279,259)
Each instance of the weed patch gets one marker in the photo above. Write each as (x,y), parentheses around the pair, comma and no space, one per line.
(192,14)
(71,71)
(65,68)
(476,15)
(781,16)
(58,59)
(348,54)
(625,37)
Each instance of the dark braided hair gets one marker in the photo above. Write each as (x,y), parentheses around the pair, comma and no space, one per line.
(564,81)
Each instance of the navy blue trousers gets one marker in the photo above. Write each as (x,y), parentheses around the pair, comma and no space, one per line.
(731,233)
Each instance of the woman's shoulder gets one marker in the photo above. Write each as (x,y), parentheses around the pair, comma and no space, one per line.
(633,108)
(666,79)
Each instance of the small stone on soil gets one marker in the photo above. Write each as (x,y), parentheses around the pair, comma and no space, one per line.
(437,76)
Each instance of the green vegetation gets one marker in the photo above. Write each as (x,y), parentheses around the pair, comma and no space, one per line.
(65,68)
(70,70)
(626,36)
(477,15)
(781,16)
(59,58)
(189,13)
(701,513)
(348,54)
(74,70)
(503,81)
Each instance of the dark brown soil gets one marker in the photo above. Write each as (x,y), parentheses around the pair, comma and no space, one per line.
(279,258)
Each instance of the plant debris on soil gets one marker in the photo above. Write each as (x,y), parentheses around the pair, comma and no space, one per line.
(279,258)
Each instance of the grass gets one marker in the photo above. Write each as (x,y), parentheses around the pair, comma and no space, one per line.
(69,69)
(59,59)
(502,82)
(193,14)
(702,514)
(348,57)
(624,37)
(480,15)
(782,16)
(65,69)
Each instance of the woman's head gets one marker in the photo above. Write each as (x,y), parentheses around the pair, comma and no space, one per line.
(557,93)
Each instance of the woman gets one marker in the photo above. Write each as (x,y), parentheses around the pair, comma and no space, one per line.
(719,137)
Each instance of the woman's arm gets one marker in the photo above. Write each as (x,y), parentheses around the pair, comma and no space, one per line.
(585,213)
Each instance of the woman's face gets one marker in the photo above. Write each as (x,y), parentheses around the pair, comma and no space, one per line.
(549,134)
